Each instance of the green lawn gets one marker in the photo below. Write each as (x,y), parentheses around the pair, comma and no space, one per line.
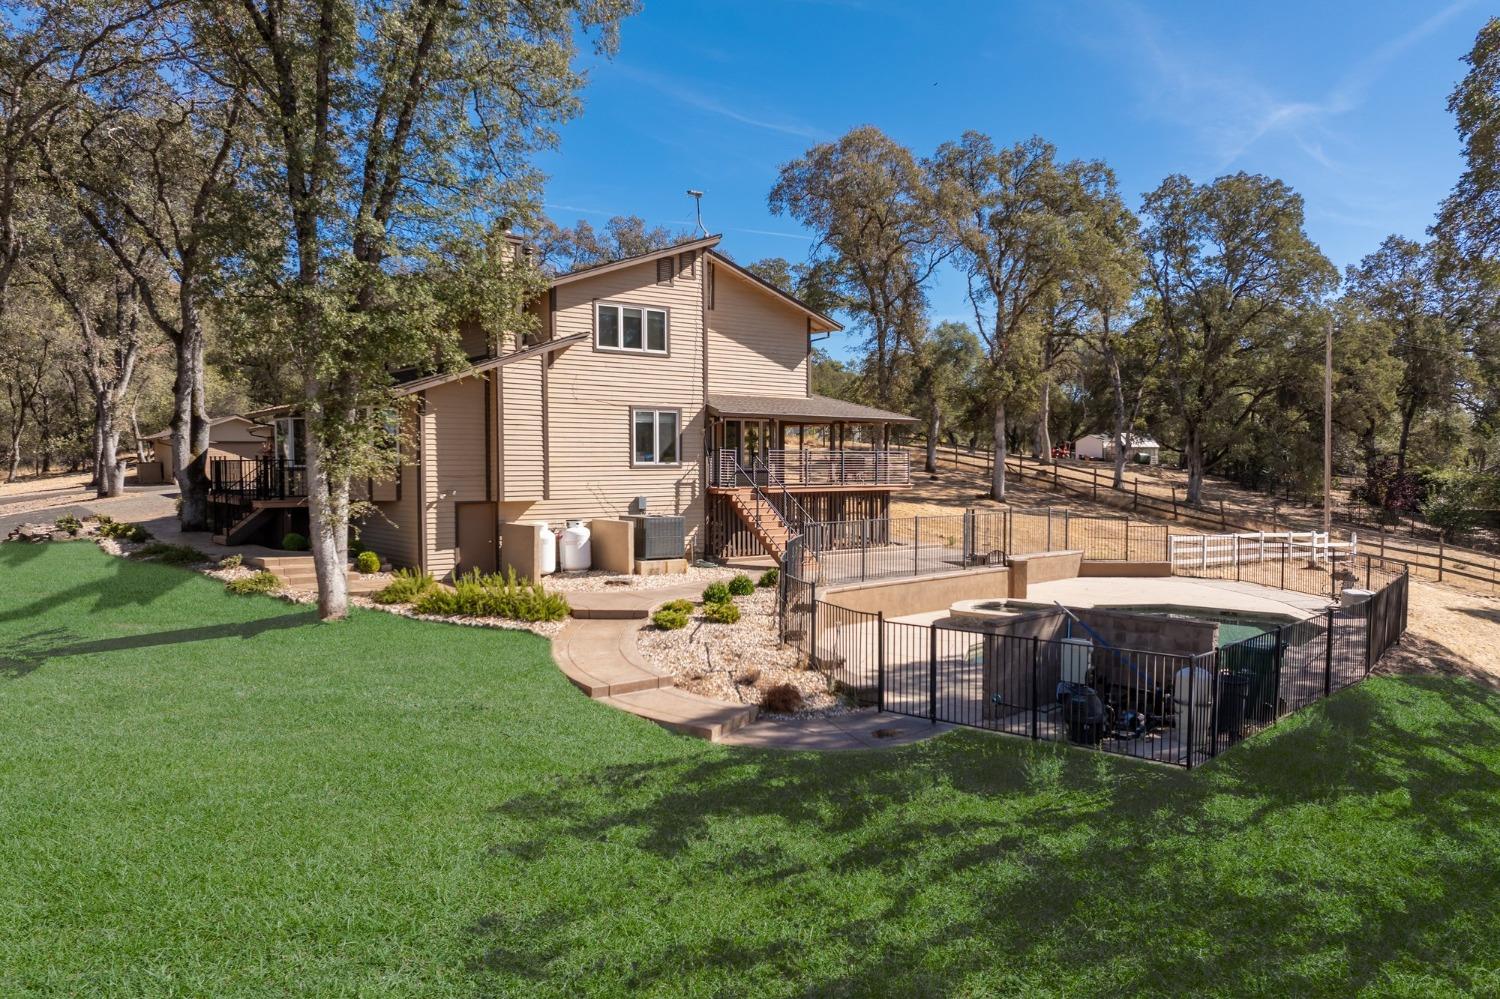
(203,794)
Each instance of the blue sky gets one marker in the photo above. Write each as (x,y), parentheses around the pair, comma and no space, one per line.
(1345,101)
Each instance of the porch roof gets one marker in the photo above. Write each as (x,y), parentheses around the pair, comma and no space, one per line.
(801,409)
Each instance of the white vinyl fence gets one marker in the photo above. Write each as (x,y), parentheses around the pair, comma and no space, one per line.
(1207,551)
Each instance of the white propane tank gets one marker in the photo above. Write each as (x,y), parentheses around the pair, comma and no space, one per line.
(1193,691)
(549,551)
(576,553)
(1075,653)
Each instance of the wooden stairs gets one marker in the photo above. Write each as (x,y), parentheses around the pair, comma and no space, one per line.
(297,573)
(769,528)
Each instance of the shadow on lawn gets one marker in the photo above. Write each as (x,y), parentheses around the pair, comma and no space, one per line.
(27,653)
(1030,867)
(126,583)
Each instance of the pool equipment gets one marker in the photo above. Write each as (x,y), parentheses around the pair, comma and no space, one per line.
(1192,692)
(1075,654)
(1087,717)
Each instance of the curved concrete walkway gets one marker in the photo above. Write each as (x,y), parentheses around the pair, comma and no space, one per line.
(597,652)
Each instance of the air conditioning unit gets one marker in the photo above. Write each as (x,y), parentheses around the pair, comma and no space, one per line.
(660,537)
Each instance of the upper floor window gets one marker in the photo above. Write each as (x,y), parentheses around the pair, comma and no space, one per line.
(630,327)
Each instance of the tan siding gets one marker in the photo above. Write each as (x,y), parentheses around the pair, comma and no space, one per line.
(591,393)
(392,530)
(453,427)
(521,430)
(757,345)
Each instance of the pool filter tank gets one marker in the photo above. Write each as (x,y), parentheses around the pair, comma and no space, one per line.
(1085,715)
(1192,693)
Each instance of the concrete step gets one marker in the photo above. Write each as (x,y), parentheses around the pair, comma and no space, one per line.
(690,714)
(600,658)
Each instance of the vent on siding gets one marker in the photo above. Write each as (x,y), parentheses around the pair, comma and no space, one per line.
(685,264)
(664,271)
(711,270)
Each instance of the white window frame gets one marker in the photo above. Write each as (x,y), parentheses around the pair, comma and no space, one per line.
(656,415)
(619,310)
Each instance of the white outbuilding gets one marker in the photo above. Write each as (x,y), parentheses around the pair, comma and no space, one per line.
(1101,447)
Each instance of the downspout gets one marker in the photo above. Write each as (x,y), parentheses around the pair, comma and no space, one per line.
(422,481)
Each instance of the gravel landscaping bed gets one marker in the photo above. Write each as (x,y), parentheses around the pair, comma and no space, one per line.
(738,662)
(597,580)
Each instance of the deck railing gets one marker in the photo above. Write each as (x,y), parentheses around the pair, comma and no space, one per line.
(794,467)
(242,480)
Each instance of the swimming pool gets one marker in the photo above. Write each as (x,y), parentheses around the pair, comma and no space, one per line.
(1234,626)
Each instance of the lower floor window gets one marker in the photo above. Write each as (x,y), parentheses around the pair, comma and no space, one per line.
(655,434)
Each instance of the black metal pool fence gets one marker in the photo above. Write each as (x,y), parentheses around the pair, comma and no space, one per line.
(1167,708)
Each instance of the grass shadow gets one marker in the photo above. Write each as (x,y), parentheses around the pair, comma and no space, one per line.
(977,863)
(25,654)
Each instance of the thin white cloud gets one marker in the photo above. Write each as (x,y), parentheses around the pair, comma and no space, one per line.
(1233,110)
(691,98)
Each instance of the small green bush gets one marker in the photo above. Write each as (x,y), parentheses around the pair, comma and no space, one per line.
(261,582)
(716,593)
(167,554)
(770,578)
(407,586)
(294,542)
(670,619)
(438,601)
(478,595)
(367,562)
(685,606)
(741,585)
(121,531)
(232,561)
(721,613)
(68,522)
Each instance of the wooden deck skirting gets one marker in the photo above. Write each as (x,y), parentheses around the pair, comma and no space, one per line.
(728,536)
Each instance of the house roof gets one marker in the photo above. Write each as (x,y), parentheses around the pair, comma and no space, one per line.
(432,381)
(701,243)
(826,325)
(807,409)
(163,434)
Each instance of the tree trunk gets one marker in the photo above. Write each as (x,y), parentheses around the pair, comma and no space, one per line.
(135,431)
(190,432)
(934,427)
(1408,417)
(1194,457)
(997,476)
(328,526)
(1043,421)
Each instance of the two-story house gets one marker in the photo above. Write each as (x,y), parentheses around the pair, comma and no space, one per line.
(675,382)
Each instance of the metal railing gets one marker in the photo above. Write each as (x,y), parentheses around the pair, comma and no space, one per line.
(1038,678)
(808,467)
(241,480)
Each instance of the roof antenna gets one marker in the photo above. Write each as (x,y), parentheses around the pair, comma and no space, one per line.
(697,197)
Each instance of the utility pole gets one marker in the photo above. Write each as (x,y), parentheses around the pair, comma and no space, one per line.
(1328,427)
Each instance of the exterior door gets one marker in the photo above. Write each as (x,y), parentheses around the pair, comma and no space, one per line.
(478,530)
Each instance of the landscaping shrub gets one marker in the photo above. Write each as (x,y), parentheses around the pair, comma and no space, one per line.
(721,613)
(716,593)
(478,595)
(770,578)
(232,561)
(121,531)
(68,522)
(168,554)
(437,601)
(783,699)
(408,585)
(261,582)
(741,586)
(367,562)
(294,542)
(686,606)
(670,619)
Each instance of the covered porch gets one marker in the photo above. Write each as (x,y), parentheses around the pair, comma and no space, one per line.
(805,444)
